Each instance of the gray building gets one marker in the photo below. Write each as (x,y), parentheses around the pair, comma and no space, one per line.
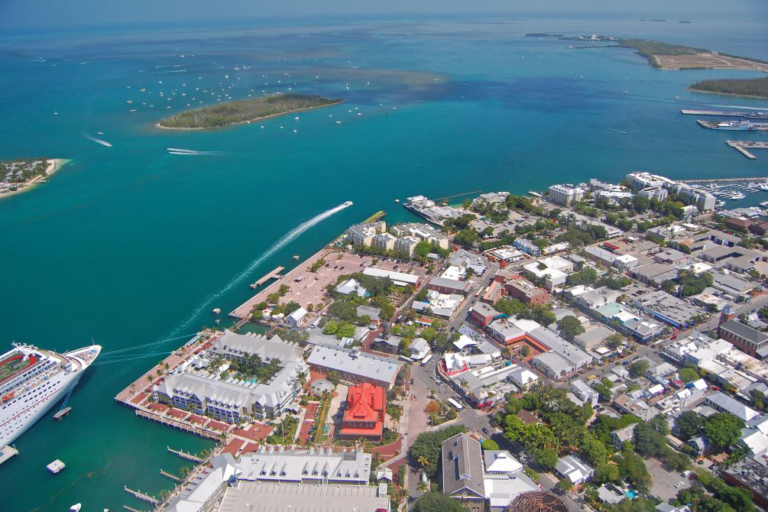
(463,477)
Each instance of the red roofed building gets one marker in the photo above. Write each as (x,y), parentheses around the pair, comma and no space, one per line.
(364,414)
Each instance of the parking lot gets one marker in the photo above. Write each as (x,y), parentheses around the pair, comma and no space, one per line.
(665,484)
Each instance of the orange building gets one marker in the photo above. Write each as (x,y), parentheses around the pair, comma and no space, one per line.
(364,414)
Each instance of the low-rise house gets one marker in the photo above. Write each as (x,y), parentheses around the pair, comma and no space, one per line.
(352,287)
(574,469)
(584,393)
(623,435)
(419,349)
(372,313)
(462,472)
(523,378)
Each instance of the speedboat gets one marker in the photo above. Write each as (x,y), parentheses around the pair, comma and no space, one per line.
(76,507)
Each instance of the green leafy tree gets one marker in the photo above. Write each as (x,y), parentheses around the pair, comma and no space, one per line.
(546,458)
(689,424)
(570,327)
(333,378)
(638,368)
(605,473)
(331,328)
(688,375)
(490,444)
(723,430)
(614,341)
(438,502)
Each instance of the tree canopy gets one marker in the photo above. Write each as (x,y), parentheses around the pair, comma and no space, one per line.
(438,502)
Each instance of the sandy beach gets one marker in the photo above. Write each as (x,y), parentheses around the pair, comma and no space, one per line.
(54,165)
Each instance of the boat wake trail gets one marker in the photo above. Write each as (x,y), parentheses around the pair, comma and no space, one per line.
(192,152)
(97,141)
(239,278)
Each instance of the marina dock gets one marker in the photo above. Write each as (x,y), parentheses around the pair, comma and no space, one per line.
(743,146)
(131,509)
(171,476)
(141,496)
(184,455)
(727,180)
(275,274)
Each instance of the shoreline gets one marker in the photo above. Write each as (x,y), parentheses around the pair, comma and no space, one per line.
(249,121)
(733,95)
(54,165)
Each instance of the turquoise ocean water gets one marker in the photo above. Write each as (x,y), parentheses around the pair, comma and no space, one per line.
(130,244)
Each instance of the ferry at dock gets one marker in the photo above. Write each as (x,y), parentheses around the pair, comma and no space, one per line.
(32,380)
(739,125)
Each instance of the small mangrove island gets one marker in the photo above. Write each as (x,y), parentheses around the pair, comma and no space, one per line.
(245,111)
(22,174)
(744,87)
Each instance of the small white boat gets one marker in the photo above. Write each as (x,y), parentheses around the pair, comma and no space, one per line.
(76,507)
(216,311)
(397,200)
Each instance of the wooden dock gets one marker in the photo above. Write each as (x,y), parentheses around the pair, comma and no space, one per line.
(131,509)
(743,146)
(171,476)
(184,455)
(275,274)
(141,496)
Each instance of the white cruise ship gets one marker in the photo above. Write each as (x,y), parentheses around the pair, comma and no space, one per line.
(33,380)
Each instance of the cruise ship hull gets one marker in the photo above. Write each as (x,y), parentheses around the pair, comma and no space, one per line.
(23,407)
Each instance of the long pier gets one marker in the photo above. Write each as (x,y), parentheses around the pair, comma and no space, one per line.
(743,146)
(131,509)
(442,199)
(275,274)
(727,113)
(170,475)
(184,455)
(141,496)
